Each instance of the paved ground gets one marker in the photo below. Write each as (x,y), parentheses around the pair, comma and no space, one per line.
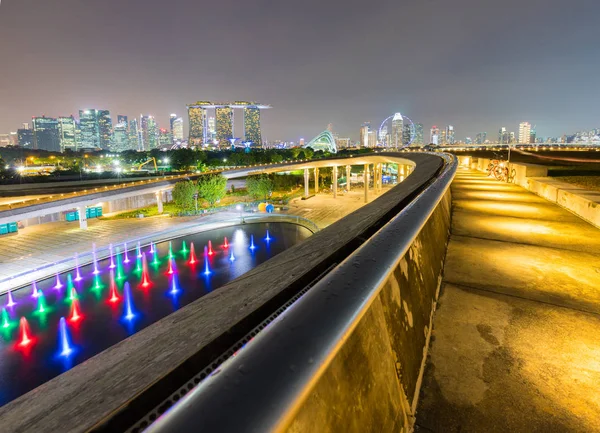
(516,340)
(45,244)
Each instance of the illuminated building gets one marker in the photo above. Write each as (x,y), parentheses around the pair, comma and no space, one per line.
(176,127)
(212,129)
(503,136)
(105,128)
(324,141)
(301,142)
(121,135)
(524,132)
(342,143)
(67,133)
(89,129)
(364,134)
(406,134)
(532,135)
(468,140)
(150,133)
(134,135)
(45,134)
(252,125)
(481,138)
(197,124)
(372,142)
(224,118)
(165,138)
(25,138)
(449,134)
(397,131)
(418,134)
(511,138)
(434,135)
(442,138)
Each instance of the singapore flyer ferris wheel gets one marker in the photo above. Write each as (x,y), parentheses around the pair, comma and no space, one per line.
(396,131)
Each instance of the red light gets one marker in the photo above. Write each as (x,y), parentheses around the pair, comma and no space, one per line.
(25,340)
(75,314)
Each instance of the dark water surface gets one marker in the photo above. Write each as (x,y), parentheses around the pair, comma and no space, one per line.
(27,361)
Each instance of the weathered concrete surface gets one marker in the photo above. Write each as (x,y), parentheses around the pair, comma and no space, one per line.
(515,340)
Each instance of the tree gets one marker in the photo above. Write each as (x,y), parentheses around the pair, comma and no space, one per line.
(212,188)
(183,194)
(259,186)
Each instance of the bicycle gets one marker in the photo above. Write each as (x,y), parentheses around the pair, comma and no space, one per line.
(501,171)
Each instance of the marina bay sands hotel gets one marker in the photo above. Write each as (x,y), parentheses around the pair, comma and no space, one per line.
(219,130)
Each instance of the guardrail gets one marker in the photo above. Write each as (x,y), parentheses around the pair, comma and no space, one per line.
(349,354)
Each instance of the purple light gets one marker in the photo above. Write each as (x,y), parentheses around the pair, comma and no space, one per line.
(35,293)
(139,250)
(58,284)
(112,260)
(77,274)
(10,302)
(126,260)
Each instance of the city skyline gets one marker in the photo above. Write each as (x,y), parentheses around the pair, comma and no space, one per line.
(466,69)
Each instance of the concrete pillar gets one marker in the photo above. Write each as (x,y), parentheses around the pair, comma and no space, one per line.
(316,180)
(335,181)
(366,181)
(82,218)
(380,177)
(159,202)
(306,177)
(348,174)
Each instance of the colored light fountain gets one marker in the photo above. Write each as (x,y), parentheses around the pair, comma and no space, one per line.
(252,246)
(114,297)
(138,251)
(112,260)
(9,300)
(170,250)
(184,249)
(65,339)
(126,259)
(172,267)
(155,260)
(59,284)
(41,305)
(145,277)
(24,337)
(231,256)
(5,319)
(225,244)
(120,273)
(174,286)
(152,248)
(35,292)
(129,314)
(206,267)
(268,238)
(77,274)
(210,250)
(96,270)
(75,313)
(193,259)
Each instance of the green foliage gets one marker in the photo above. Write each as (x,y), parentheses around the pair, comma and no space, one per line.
(183,194)
(259,186)
(212,188)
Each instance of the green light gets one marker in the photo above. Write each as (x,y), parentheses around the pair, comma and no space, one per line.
(5,321)
(70,283)
(97,283)
(184,249)
(155,262)
(170,250)
(72,294)
(42,305)
(138,266)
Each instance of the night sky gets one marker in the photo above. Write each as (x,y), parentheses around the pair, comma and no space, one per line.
(476,64)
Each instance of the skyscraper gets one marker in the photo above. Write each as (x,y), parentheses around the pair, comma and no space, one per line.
(105,129)
(406,134)
(67,133)
(121,136)
(532,135)
(372,139)
(176,124)
(224,118)
(165,138)
(197,124)
(365,129)
(252,125)
(503,136)
(89,129)
(450,135)
(134,137)
(121,118)
(434,135)
(45,134)
(212,129)
(418,141)
(25,138)
(149,132)
(524,132)
(442,139)
(397,131)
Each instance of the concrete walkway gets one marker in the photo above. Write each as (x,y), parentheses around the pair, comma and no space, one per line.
(516,340)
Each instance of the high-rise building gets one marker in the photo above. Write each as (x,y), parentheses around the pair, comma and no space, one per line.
(397,131)
(512,138)
(442,138)
(532,135)
(148,133)
(418,141)
(252,125)
(176,124)
(164,137)
(197,124)
(89,129)
(105,129)
(407,134)
(134,135)
(434,136)
(122,119)
(224,118)
(67,133)
(342,143)
(212,129)
(121,136)
(365,129)
(25,138)
(45,134)
(450,135)
(524,132)
(503,136)
(468,140)
(372,142)
(481,138)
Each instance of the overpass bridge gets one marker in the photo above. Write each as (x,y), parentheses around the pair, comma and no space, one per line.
(335,333)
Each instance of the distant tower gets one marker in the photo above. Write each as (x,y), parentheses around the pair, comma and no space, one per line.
(418,134)
(364,134)
(45,133)
(152,133)
(252,125)
(397,131)
(197,124)
(90,130)
(224,118)
(434,136)
(524,132)
(105,129)
(134,136)
(67,133)
(176,124)
(121,135)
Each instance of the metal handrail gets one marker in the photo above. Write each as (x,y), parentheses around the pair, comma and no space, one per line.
(266,382)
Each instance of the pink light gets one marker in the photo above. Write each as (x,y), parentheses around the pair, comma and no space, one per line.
(75,314)
(11,302)
(25,339)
